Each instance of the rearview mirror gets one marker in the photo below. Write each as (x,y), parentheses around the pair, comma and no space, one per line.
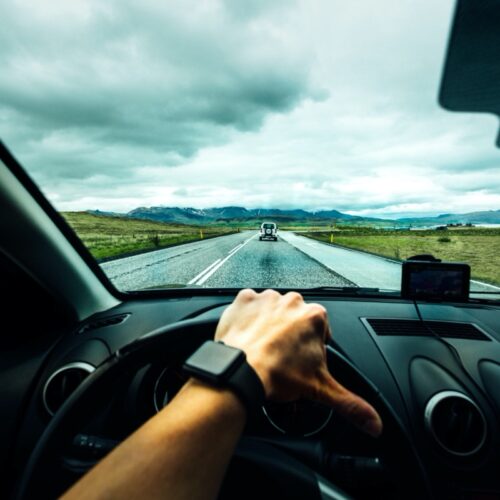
(471,76)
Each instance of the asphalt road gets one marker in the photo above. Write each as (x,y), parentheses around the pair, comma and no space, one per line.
(241,260)
(237,260)
(361,268)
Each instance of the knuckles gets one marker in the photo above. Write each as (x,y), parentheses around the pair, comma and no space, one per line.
(293,298)
(317,313)
(270,293)
(318,319)
(246,295)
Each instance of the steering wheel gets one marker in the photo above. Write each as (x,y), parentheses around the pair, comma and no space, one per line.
(291,478)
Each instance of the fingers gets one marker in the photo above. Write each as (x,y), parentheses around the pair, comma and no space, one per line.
(319,318)
(293,298)
(269,327)
(328,332)
(246,295)
(349,405)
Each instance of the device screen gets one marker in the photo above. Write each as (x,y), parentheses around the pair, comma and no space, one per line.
(444,281)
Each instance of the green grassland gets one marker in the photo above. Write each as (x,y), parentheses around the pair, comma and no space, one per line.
(478,247)
(282,223)
(292,224)
(111,237)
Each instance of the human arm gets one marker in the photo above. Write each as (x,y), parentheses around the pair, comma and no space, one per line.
(183,451)
(180,453)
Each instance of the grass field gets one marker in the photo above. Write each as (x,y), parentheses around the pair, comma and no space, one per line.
(111,237)
(478,247)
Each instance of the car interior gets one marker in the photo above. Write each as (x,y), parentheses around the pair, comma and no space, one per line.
(84,364)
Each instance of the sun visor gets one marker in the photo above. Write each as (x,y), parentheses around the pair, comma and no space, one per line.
(471,76)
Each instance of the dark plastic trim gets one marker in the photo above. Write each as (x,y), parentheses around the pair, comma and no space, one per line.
(17,170)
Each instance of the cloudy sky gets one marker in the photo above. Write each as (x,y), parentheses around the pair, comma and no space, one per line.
(289,104)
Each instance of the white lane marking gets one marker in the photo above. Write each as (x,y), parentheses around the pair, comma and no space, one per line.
(236,248)
(485,284)
(198,276)
(221,263)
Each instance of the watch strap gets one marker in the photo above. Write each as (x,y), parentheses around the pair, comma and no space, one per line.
(247,385)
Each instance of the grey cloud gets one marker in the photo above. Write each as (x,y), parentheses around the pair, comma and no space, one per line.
(159,79)
(281,103)
(254,8)
(181,192)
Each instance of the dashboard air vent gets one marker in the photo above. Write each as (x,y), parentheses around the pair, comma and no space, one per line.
(103,322)
(456,423)
(61,384)
(408,327)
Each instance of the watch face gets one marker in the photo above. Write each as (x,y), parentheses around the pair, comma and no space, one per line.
(214,358)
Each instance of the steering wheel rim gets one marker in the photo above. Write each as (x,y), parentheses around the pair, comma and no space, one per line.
(184,336)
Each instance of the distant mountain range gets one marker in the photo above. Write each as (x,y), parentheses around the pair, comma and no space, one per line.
(230,214)
(240,214)
(485,217)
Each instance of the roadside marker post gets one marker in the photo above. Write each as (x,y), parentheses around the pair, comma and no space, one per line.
(331,237)
(201,234)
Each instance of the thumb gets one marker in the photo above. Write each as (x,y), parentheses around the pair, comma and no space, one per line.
(349,405)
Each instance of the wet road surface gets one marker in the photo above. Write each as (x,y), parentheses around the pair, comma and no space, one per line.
(241,260)
(237,260)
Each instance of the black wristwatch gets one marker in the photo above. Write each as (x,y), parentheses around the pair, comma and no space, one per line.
(224,366)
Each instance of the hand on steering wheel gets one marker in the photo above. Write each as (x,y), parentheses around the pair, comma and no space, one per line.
(284,340)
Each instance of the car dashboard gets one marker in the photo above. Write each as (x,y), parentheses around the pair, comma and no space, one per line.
(435,364)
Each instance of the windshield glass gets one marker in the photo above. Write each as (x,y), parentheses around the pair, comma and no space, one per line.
(166,133)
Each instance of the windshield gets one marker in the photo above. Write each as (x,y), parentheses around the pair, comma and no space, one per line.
(166,133)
